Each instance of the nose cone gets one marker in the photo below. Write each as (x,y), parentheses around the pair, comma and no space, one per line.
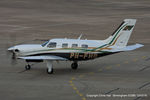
(11,48)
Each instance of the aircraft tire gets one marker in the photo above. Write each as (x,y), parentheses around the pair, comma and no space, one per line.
(50,72)
(74,66)
(27,67)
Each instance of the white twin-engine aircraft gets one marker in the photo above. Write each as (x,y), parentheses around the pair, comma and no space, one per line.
(76,49)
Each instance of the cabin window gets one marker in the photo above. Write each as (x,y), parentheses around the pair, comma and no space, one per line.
(74,45)
(84,46)
(64,45)
(52,45)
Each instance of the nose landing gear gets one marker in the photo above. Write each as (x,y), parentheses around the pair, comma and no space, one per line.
(28,67)
(50,70)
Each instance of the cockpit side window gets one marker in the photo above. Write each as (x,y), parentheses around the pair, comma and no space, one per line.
(45,43)
(52,45)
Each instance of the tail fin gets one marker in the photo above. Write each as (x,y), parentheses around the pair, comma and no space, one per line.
(122,34)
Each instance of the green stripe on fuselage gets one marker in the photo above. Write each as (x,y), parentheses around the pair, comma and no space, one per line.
(116,34)
(83,49)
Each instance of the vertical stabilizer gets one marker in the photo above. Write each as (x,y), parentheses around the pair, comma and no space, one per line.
(122,34)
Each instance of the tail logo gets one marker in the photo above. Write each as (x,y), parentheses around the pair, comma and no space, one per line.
(128,28)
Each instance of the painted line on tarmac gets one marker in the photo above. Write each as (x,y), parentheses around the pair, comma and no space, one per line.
(112,91)
(91,73)
(126,62)
(99,70)
(109,67)
(144,68)
(144,85)
(118,65)
(83,98)
(135,60)
(22,71)
(147,59)
(81,76)
(138,98)
(76,89)
(143,57)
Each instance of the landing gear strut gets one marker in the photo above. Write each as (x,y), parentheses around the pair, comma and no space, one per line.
(74,65)
(49,67)
(28,67)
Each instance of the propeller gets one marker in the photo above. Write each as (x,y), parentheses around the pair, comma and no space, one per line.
(12,56)
(10,53)
(13,59)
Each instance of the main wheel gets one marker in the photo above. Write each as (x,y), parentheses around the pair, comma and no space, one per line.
(74,65)
(27,67)
(50,72)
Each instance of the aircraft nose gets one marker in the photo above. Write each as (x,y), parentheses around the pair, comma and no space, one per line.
(11,48)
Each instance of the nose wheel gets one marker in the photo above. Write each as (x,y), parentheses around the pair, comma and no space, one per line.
(74,65)
(28,67)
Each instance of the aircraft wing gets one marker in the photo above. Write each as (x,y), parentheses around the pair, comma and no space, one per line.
(48,57)
(128,48)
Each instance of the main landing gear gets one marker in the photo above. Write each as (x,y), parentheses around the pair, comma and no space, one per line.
(50,70)
(28,67)
(49,67)
(74,65)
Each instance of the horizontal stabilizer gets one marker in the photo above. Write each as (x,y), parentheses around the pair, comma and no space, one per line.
(133,47)
(127,48)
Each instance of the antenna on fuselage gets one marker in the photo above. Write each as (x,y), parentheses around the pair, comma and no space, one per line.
(80,37)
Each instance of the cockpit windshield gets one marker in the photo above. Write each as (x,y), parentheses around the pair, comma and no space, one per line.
(44,44)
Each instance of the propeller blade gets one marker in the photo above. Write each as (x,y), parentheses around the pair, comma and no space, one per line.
(13,55)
